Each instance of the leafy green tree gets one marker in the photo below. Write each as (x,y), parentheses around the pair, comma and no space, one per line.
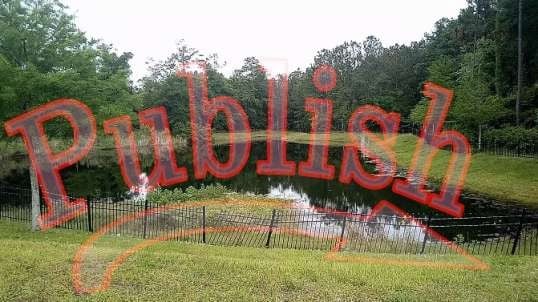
(43,56)
(249,86)
(163,87)
(442,71)
(475,104)
(506,55)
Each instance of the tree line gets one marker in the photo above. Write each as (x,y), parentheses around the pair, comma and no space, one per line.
(44,56)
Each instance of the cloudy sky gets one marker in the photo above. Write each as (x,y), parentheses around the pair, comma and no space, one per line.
(289,31)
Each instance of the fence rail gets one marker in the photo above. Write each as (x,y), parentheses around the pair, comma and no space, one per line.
(521,149)
(487,146)
(298,228)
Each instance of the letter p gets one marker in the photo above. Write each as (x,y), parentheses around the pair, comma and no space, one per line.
(47,164)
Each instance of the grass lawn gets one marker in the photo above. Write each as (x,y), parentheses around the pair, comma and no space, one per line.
(37,266)
(502,178)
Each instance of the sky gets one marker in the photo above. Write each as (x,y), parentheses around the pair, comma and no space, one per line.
(283,34)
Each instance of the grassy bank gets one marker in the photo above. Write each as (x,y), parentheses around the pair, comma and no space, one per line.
(502,178)
(36,267)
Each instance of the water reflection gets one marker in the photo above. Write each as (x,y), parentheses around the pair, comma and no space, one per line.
(360,224)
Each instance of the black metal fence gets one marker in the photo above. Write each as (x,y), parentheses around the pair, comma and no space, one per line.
(487,146)
(520,149)
(295,228)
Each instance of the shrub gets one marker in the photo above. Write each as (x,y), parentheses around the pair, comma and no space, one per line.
(165,196)
(511,137)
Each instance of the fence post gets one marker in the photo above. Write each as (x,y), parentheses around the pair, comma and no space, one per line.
(145,218)
(203,224)
(271,228)
(36,206)
(426,234)
(518,233)
(343,229)
(89,213)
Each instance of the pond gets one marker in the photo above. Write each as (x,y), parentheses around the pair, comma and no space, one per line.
(101,175)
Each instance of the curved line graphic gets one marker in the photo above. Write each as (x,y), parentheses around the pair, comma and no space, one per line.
(115,264)
(332,255)
(78,259)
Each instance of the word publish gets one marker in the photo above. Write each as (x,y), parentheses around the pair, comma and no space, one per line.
(377,145)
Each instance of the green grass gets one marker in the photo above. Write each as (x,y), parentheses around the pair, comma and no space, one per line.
(502,178)
(36,267)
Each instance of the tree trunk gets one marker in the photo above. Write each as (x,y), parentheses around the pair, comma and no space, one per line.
(479,137)
(35,200)
(498,57)
(519,59)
